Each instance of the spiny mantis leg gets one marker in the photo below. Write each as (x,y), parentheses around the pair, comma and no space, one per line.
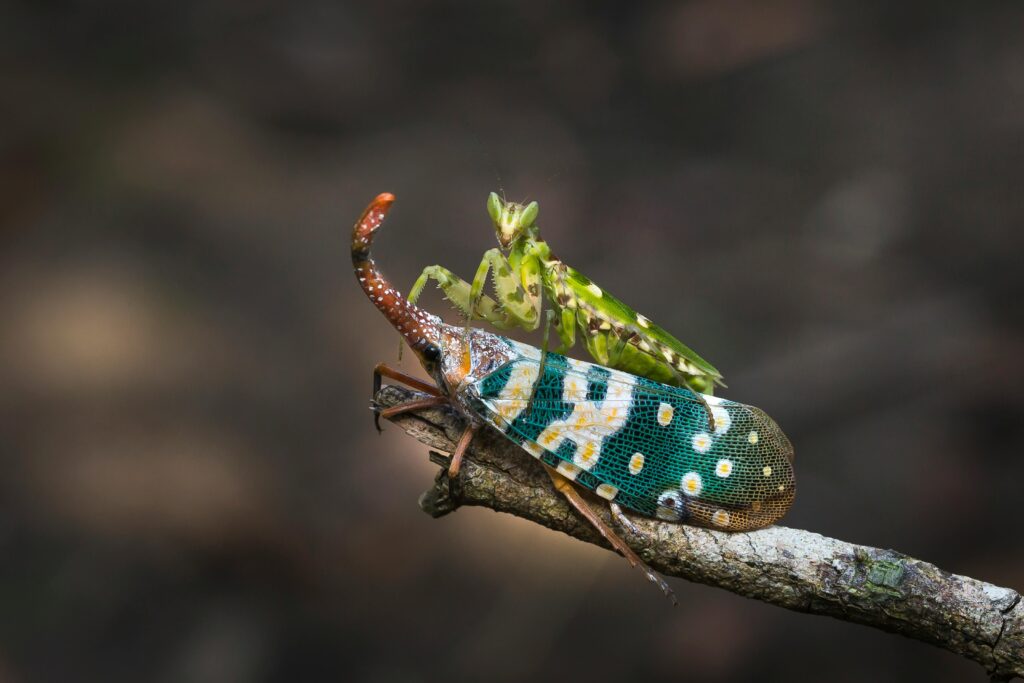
(519,305)
(382,370)
(566,488)
(608,347)
(460,450)
(457,291)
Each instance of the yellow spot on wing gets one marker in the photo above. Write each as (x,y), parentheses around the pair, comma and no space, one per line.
(574,392)
(665,412)
(722,419)
(567,470)
(606,491)
(692,484)
(636,463)
(532,448)
(585,455)
(701,442)
(720,518)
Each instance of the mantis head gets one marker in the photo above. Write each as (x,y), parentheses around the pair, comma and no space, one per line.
(511,220)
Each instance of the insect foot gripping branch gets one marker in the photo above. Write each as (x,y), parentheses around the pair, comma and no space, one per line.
(631,441)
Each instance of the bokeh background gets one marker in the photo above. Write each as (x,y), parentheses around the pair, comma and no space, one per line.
(822,198)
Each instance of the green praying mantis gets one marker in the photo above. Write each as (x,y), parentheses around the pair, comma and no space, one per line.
(525,274)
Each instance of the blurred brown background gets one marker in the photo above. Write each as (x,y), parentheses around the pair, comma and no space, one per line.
(823,198)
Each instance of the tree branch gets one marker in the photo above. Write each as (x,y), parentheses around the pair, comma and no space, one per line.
(795,569)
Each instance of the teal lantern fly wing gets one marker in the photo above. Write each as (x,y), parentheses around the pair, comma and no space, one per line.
(644,445)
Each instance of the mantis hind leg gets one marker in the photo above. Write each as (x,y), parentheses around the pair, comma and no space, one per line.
(608,348)
(566,488)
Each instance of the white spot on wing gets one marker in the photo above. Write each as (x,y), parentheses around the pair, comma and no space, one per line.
(587,454)
(692,484)
(575,390)
(515,395)
(532,448)
(567,470)
(590,422)
(670,506)
(526,350)
(721,418)
(701,442)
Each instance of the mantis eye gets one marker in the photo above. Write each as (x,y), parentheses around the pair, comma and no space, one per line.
(529,214)
(494,206)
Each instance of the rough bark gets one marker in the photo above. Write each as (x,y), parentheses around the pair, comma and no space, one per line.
(791,568)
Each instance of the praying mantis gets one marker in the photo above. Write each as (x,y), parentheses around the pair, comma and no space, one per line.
(526,275)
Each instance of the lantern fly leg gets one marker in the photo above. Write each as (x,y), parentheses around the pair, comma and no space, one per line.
(382,370)
(460,451)
(621,519)
(566,488)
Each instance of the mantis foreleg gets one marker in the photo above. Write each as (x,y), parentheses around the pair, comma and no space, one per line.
(457,291)
(519,296)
